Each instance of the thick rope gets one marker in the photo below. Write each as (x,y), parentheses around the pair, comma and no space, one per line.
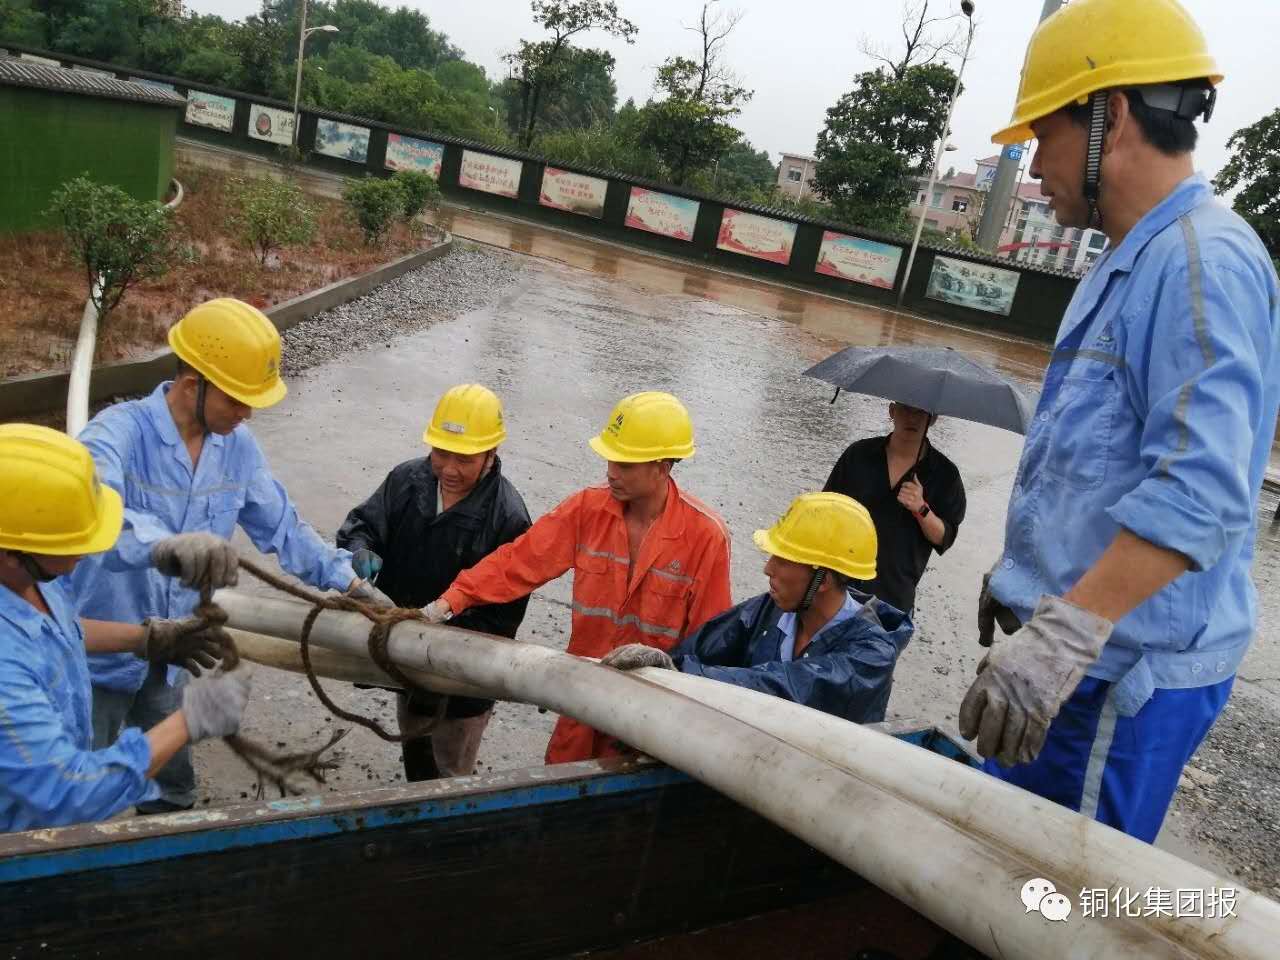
(281,770)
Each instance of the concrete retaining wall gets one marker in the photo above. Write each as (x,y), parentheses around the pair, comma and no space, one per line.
(42,393)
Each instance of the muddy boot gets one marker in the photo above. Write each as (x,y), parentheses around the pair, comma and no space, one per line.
(419,760)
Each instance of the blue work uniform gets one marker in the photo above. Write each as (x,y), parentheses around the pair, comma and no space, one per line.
(49,774)
(1157,417)
(139,452)
(846,669)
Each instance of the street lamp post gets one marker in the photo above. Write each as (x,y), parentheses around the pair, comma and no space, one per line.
(303,33)
(967,7)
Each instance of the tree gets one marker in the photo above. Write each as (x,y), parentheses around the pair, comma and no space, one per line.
(270,215)
(741,166)
(540,66)
(585,95)
(689,128)
(1254,168)
(119,241)
(877,137)
(925,39)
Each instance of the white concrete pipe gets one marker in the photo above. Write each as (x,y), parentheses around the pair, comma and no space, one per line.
(967,883)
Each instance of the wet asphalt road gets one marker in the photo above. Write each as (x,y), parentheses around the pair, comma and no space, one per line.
(583,324)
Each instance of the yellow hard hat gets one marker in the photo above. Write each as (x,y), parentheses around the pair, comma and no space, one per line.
(235,347)
(1092,45)
(645,427)
(468,419)
(824,530)
(51,501)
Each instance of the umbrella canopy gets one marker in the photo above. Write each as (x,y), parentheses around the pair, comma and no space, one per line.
(938,379)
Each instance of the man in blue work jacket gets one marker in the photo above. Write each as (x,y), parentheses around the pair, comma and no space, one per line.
(1131,526)
(811,639)
(54,511)
(184,460)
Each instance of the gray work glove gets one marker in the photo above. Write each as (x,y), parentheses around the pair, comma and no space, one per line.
(437,611)
(633,656)
(1023,682)
(189,643)
(365,591)
(213,705)
(200,560)
(366,564)
(992,611)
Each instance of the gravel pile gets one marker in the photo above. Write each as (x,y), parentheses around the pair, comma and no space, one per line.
(460,281)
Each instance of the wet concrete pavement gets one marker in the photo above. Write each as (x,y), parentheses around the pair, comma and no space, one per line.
(586,323)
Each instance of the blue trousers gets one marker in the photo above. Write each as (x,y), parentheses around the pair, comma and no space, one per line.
(1121,771)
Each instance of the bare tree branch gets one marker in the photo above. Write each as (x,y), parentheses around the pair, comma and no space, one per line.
(923,39)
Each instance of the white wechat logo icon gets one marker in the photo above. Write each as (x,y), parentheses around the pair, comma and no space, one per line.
(1042,897)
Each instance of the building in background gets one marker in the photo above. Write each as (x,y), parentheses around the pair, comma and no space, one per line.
(795,175)
(1030,235)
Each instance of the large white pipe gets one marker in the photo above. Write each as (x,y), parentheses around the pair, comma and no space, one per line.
(962,881)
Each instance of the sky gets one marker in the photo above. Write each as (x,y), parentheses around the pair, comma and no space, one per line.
(800,55)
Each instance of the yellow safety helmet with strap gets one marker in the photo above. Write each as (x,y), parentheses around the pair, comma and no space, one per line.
(1094,45)
(468,419)
(645,427)
(234,346)
(826,530)
(51,500)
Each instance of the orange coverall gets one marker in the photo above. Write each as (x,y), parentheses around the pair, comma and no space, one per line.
(680,580)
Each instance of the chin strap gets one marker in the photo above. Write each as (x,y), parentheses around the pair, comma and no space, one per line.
(819,575)
(1093,158)
(36,572)
(202,389)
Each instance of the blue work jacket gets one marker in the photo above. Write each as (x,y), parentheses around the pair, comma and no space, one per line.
(846,670)
(139,452)
(1157,416)
(49,775)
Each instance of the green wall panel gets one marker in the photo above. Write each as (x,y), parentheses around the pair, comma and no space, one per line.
(50,137)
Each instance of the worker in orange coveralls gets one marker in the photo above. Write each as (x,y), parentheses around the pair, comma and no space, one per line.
(650,563)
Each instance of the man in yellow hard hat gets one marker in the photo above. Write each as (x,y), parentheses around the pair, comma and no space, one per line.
(1131,526)
(432,518)
(812,638)
(184,461)
(650,562)
(53,512)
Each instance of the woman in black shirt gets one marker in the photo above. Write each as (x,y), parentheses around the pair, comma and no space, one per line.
(914,495)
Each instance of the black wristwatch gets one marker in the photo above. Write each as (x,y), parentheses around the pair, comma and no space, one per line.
(923,512)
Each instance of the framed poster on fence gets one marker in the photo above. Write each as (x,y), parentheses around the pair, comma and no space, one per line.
(573,192)
(859,260)
(342,140)
(270,124)
(755,236)
(973,285)
(490,174)
(210,110)
(410,153)
(662,213)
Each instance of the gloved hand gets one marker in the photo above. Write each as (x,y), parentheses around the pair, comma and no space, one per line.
(437,611)
(991,611)
(213,705)
(199,560)
(367,592)
(1023,682)
(366,563)
(189,643)
(633,656)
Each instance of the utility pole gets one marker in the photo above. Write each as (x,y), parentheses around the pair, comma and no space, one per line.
(996,210)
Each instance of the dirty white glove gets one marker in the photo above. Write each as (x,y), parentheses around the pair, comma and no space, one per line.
(1024,680)
(633,656)
(437,611)
(200,560)
(991,611)
(214,704)
(366,592)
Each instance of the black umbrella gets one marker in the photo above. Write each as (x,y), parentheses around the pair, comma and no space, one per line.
(937,379)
